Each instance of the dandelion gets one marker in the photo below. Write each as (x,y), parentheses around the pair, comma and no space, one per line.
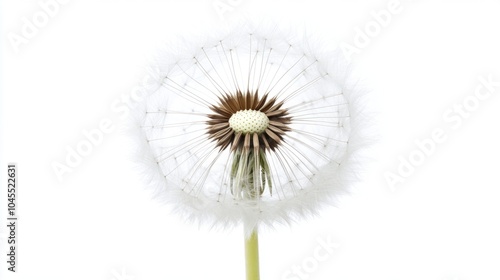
(250,128)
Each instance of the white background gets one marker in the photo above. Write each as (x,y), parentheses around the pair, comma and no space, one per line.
(441,223)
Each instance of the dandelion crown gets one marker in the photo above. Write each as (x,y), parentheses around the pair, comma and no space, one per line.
(248,127)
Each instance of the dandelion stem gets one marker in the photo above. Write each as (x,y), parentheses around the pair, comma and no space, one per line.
(252,256)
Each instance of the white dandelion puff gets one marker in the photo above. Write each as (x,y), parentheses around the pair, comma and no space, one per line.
(250,127)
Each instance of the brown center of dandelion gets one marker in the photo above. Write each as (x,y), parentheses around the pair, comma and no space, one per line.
(247,121)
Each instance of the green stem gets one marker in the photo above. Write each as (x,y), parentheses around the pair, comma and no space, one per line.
(252,256)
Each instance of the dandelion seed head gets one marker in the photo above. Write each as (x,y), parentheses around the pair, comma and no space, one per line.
(252,128)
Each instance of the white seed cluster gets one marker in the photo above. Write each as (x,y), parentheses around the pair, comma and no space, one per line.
(249,121)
